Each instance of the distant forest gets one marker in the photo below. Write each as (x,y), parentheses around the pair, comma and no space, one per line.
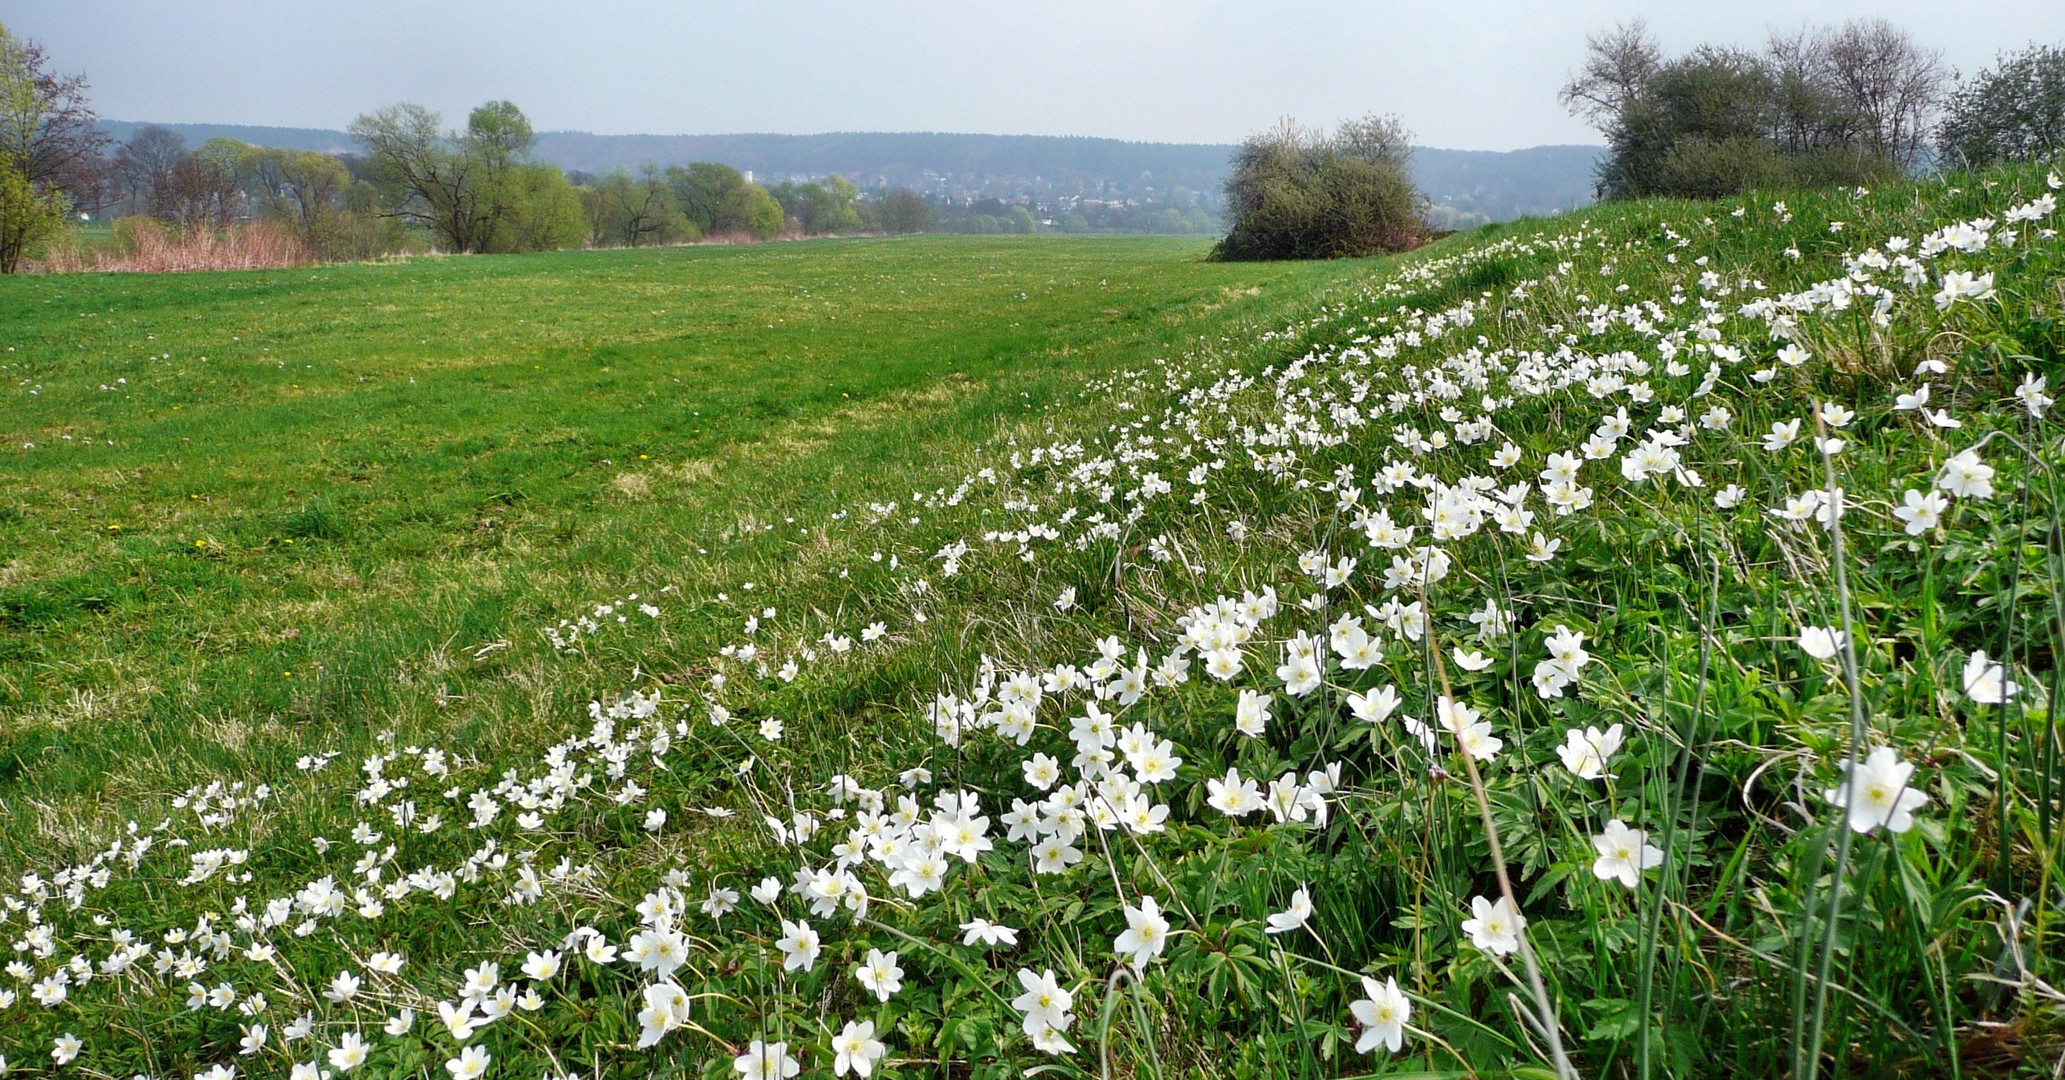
(1092,178)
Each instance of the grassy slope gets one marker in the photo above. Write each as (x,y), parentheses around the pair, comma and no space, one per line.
(1689,613)
(317,488)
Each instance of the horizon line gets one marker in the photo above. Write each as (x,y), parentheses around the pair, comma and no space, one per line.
(822,134)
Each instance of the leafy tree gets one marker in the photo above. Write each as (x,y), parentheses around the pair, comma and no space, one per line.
(542,211)
(50,143)
(628,210)
(904,211)
(701,191)
(30,217)
(820,207)
(1298,194)
(466,187)
(750,209)
(2013,111)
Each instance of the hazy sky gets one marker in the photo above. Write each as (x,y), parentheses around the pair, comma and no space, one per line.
(1478,74)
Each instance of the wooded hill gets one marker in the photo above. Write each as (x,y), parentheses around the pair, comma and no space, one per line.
(1472,185)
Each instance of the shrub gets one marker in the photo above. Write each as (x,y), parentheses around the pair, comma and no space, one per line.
(1297,194)
(2014,111)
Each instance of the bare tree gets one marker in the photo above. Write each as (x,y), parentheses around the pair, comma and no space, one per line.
(434,185)
(1619,64)
(1380,139)
(145,164)
(1893,85)
(201,192)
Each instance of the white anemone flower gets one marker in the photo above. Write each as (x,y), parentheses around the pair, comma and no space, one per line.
(1145,936)
(1875,791)
(1822,642)
(1494,927)
(1283,922)
(856,1048)
(1986,681)
(1624,853)
(1383,1013)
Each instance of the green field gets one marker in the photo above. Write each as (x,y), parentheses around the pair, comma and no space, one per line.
(1621,645)
(252,499)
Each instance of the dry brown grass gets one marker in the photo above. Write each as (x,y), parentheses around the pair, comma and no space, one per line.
(255,245)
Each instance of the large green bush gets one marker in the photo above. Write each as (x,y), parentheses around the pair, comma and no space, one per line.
(1296,194)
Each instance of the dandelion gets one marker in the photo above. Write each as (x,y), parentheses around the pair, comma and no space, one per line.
(1624,853)
(1300,910)
(1875,792)
(1986,681)
(1146,933)
(1383,1013)
(1494,927)
(856,1048)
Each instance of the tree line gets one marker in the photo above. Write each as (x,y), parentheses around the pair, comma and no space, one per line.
(1854,104)
(413,185)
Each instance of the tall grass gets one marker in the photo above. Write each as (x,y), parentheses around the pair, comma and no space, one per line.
(151,247)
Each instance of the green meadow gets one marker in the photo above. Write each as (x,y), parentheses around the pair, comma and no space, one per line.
(243,515)
(1619,645)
